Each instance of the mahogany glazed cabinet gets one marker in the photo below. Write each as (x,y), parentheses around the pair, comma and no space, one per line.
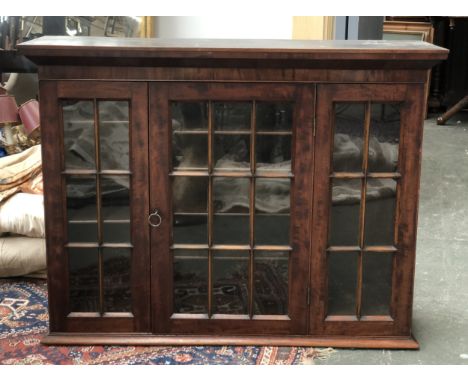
(231,191)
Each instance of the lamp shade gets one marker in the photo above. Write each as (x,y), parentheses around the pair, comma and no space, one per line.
(29,114)
(8,110)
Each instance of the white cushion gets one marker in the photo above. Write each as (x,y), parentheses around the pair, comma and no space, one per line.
(21,255)
(23,214)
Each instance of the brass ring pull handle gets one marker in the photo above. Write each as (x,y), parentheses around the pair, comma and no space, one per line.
(155,216)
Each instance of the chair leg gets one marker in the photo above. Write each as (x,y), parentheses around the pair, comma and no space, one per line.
(453,110)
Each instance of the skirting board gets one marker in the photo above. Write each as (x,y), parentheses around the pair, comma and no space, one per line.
(56,339)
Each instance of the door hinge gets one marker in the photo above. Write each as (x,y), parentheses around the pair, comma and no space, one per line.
(308,295)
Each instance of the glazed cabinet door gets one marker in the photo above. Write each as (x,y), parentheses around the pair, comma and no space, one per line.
(367,170)
(231,181)
(95,157)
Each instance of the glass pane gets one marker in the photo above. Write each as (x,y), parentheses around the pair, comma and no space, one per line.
(231,229)
(384,137)
(190,281)
(232,152)
(230,282)
(272,229)
(274,116)
(189,151)
(82,232)
(190,194)
(380,212)
(117,271)
(376,283)
(273,152)
(233,116)
(190,229)
(271,275)
(344,219)
(272,208)
(231,198)
(81,208)
(231,194)
(84,279)
(114,135)
(118,232)
(78,134)
(189,116)
(115,208)
(348,138)
(115,196)
(342,279)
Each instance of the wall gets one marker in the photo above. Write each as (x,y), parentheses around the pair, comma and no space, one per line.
(358,27)
(279,27)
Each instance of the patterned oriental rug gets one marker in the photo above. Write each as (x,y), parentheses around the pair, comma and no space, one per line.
(24,321)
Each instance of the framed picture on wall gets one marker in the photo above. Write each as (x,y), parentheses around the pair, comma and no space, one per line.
(410,31)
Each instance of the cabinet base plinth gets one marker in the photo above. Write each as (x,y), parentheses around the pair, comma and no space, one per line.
(56,339)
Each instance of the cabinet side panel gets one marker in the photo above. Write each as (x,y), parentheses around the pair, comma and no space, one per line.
(412,120)
(53,203)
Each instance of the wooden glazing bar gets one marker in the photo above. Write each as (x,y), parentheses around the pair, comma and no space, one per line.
(219,316)
(116,221)
(210,207)
(116,245)
(84,315)
(230,247)
(117,315)
(347,175)
(83,122)
(189,316)
(384,175)
(271,317)
(189,169)
(189,246)
(81,172)
(188,173)
(252,209)
(359,286)
(190,132)
(81,245)
(114,172)
(99,206)
(344,248)
(278,248)
(274,133)
(377,318)
(340,318)
(231,174)
(112,122)
(380,248)
(231,214)
(362,211)
(232,132)
(273,174)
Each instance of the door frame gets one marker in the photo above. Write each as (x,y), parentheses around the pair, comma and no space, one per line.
(61,319)
(411,123)
(160,94)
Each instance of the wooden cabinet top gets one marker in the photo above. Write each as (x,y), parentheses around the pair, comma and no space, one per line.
(64,50)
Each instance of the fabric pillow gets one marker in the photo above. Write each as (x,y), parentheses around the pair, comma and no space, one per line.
(21,255)
(23,214)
